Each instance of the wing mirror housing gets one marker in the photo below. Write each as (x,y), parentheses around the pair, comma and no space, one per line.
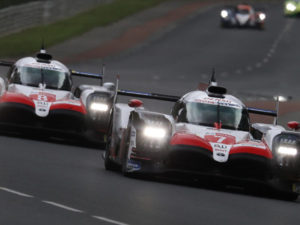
(294,125)
(135,103)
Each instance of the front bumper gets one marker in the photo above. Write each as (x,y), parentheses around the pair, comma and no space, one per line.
(20,118)
(197,162)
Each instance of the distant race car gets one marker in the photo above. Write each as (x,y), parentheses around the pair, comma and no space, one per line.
(242,15)
(37,96)
(291,7)
(208,135)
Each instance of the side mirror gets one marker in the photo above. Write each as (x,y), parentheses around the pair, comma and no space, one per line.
(135,103)
(294,125)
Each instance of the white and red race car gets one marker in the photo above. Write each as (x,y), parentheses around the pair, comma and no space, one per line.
(208,135)
(37,96)
(242,15)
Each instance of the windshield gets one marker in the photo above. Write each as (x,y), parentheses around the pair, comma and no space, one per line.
(243,11)
(207,115)
(31,76)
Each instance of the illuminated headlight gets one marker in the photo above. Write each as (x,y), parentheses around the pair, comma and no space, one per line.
(99,107)
(262,16)
(289,151)
(224,13)
(154,132)
(290,7)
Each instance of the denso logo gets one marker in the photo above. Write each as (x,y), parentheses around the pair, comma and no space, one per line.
(220,146)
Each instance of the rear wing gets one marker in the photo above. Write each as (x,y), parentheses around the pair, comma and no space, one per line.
(169,98)
(6,63)
(172,98)
(264,112)
(88,75)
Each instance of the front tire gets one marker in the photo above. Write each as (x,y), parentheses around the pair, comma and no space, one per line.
(126,149)
(108,163)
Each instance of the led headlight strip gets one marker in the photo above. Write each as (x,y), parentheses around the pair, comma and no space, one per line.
(96,106)
(154,132)
(289,151)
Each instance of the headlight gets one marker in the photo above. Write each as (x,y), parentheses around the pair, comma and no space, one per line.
(262,16)
(289,151)
(224,13)
(290,7)
(95,106)
(154,132)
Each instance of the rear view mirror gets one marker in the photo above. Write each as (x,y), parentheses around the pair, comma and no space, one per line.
(294,125)
(135,103)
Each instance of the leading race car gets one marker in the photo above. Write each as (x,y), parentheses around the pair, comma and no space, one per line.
(36,95)
(208,135)
(242,15)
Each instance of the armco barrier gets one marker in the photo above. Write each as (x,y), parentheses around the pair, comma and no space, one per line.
(19,17)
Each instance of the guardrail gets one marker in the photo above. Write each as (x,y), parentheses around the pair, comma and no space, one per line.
(38,12)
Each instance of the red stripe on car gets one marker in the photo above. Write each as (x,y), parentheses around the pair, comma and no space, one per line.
(191,140)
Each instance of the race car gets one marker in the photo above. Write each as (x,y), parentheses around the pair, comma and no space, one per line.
(291,7)
(242,15)
(208,134)
(36,98)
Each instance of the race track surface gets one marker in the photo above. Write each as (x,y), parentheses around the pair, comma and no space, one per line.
(46,182)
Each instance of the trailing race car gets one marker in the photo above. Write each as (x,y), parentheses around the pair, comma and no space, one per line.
(36,96)
(242,15)
(291,7)
(208,135)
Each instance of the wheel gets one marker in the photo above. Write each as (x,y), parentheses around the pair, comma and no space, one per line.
(260,26)
(108,163)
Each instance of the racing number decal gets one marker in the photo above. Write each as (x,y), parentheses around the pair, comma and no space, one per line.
(221,139)
(42,98)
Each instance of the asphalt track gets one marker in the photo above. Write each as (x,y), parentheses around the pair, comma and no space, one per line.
(51,183)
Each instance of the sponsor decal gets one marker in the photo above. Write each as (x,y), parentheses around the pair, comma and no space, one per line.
(133,165)
(43,66)
(42,108)
(216,101)
(220,152)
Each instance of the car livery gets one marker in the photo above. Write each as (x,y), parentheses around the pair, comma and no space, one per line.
(37,95)
(242,15)
(208,134)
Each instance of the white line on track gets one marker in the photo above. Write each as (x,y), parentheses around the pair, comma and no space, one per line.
(16,192)
(109,220)
(63,206)
(238,71)
(258,65)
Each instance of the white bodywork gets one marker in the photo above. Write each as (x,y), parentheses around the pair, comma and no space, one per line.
(221,147)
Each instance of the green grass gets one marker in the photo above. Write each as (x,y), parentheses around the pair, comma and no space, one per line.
(29,40)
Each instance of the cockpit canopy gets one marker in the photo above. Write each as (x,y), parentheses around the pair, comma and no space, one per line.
(234,118)
(36,74)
